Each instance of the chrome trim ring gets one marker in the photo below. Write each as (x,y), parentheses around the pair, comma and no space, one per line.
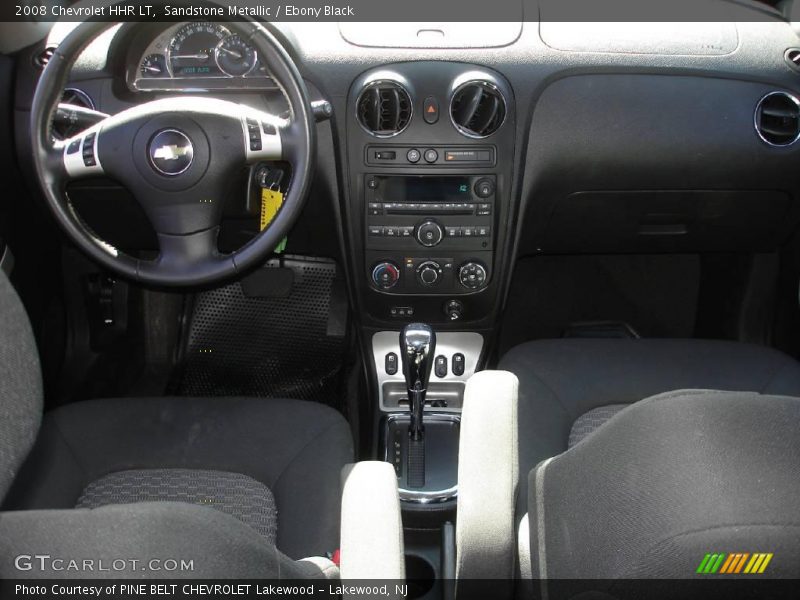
(484,83)
(377,83)
(758,108)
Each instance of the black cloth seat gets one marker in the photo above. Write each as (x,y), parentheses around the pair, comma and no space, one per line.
(244,487)
(563,380)
(663,483)
(271,463)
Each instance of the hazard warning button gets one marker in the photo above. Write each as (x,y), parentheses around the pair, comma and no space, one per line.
(430,110)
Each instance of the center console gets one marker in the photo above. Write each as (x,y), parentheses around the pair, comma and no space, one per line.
(430,234)
(429,154)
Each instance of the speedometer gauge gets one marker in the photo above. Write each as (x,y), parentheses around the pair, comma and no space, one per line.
(235,57)
(191,51)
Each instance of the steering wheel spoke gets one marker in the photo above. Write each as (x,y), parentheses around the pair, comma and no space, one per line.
(80,156)
(263,135)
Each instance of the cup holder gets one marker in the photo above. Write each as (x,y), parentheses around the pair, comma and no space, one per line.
(420,576)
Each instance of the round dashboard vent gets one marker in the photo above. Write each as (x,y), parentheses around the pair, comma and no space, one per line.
(777,119)
(477,109)
(384,108)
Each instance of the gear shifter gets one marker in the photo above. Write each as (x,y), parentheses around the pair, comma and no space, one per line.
(417,349)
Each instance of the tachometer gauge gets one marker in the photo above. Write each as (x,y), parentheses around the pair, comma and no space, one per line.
(235,57)
(154,65)
(191,52)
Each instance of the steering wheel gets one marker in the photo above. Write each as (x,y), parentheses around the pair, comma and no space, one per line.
(177,157)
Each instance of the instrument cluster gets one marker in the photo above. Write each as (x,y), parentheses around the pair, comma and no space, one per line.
(197,56)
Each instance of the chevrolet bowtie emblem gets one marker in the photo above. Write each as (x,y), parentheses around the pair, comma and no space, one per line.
(171,152)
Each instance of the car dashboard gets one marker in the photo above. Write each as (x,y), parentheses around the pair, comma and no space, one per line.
(549,138)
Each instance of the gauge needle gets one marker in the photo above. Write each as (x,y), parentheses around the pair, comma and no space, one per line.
(233,53)
(152,69)
(198,56)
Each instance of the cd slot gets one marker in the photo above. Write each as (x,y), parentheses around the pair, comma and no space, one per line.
(414,208)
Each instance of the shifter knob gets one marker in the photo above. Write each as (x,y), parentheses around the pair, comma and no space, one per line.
(417,349)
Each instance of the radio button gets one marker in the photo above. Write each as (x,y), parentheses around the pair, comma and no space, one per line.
(484,209)
(468,232)
(375,230)
(375,208)
(431,155)
(453,231)
(484,231)
(372,183)
(391,231)
(413,155)
(429,233)
(406,231)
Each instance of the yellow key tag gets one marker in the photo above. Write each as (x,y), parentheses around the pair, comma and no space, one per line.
(271,201)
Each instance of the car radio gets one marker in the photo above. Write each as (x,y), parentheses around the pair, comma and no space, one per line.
(429,233)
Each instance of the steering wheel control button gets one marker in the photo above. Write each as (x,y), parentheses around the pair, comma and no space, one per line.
(484,188)
(390,363)
(440,366)
(73,147)
(429,273)
(472,275)
(458,364)
(429,233)
(413,155)
(385,275)
(431,155)
(171,152)
(254,135)
(88,150)
(430,110)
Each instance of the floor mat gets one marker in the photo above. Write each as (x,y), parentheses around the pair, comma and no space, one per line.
(279,333)
(655,294)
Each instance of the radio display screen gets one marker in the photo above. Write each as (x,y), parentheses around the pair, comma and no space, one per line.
(424,189)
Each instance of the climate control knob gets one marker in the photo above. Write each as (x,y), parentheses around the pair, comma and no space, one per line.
(385,275)
(429,273)
(429,233)
(472,275)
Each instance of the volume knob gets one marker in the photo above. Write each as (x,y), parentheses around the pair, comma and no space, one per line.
(429,233)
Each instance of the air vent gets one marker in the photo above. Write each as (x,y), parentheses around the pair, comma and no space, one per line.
(477,109)
(44,57)
(384,108)
(777,119)
(75,97)
(792,56)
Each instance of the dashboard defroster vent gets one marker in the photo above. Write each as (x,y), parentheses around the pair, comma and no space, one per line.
(384,108)
(477,109)
(777,119)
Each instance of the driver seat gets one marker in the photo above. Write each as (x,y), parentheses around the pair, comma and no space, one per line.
(243,487)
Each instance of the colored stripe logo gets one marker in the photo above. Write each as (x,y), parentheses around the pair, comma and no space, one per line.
(734,563)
